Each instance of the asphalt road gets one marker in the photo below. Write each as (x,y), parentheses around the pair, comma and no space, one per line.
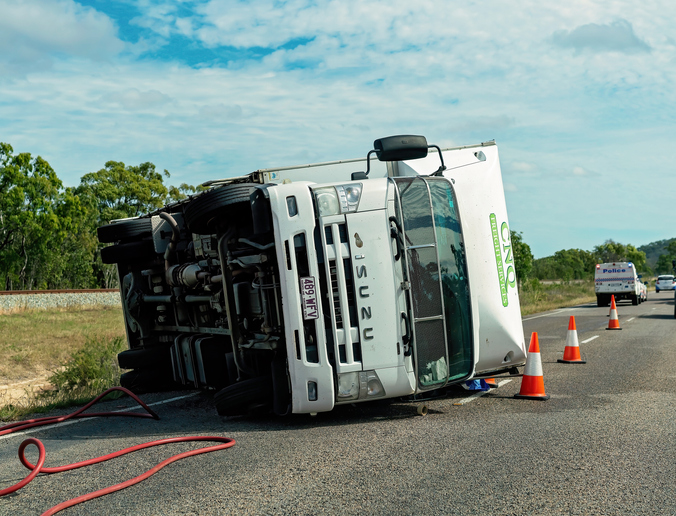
(604,443)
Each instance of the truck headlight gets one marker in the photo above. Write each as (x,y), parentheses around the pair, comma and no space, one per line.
(348,386)
(349,196)
(334,200)
(359,385)
(327,201)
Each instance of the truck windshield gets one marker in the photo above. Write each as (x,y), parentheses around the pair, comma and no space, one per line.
(435,255)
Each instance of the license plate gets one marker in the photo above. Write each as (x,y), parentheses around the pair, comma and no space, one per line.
(308,292)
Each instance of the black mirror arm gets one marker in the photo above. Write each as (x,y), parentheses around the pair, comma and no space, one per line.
(441,157)
(368,162)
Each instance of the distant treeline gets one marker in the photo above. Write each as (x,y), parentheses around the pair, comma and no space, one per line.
(48,232)
(573,264)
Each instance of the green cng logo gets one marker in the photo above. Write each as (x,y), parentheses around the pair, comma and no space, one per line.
(504,258)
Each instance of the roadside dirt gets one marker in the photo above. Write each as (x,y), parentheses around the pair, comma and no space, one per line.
(19,392)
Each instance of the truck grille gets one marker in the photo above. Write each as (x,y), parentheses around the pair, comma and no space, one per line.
(340,307)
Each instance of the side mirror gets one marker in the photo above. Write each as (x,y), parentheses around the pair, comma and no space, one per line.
(400,148)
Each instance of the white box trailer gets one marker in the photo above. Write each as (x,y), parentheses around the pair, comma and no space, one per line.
(297,289)
(617,279)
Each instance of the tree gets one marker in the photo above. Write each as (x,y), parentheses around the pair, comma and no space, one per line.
(611,251)
(29,193)
(119,191)
(523,257)
(664,262)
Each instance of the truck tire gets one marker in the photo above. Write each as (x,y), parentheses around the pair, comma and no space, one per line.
(254,394)
(144,357)
(634,299)
(130,251)
(201,215)
(124,230)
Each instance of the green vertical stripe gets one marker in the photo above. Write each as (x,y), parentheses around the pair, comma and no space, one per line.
(498,260)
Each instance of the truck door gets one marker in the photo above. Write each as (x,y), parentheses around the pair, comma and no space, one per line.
(439,289)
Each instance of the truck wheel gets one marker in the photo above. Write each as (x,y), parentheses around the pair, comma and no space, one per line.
(144,357)
(125,230)
(202,214)
(634,300)
(130,251)
(244,397)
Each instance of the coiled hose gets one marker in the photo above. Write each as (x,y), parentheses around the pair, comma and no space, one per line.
(226,442)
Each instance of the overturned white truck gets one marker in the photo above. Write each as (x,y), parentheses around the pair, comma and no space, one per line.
(301,288)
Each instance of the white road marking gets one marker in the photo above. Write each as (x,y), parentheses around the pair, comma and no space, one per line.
(543,315)
(478,394)
(80,420)
(628,320)
(589,339)
(559,311)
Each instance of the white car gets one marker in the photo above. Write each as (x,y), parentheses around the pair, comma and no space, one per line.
(665,282)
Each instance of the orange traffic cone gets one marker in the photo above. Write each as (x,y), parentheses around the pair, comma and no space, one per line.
(491,382)
(614,323)
(532,383)
(571,353)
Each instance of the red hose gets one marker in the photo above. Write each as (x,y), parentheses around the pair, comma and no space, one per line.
(226,442)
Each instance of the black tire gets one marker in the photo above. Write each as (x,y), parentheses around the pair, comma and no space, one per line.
(252,395)
(140,381)
(129,252)
(202,214)
(124,230)
(144,357)
(634,300)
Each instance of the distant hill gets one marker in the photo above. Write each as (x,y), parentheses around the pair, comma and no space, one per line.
(653,251)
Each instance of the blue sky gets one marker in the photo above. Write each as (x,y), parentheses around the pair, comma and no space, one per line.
(580,96)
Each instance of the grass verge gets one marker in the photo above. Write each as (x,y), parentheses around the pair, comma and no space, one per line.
(36,342)
(89,371)
(538,297)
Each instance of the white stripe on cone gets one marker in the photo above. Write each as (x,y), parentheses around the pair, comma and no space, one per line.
(533,365)
(571,339)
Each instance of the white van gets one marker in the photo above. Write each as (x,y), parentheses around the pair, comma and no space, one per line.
(617,279)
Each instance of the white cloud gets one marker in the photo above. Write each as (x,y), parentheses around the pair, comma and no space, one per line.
(617,36)
(35,32)
(133,99)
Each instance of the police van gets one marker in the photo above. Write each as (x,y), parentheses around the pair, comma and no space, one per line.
(617,279)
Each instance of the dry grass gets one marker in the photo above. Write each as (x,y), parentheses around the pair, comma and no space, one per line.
(537,297)
(35,342)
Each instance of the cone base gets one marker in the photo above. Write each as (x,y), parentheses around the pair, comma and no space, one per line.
(531,397)
(571,361)
(613,328)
